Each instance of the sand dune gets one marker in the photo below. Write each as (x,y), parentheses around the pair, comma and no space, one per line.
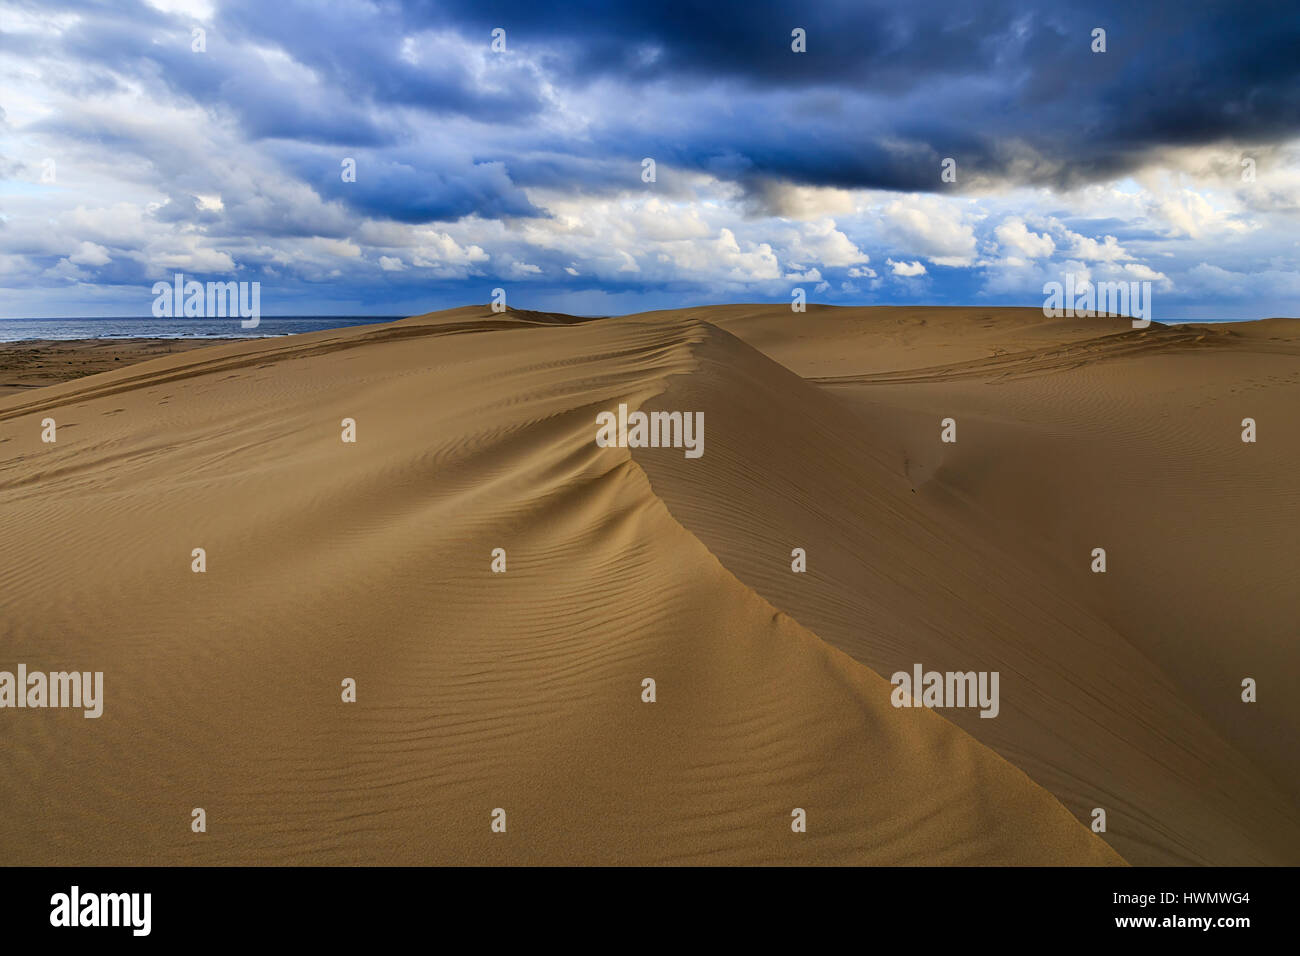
(522,690)
(1126,686)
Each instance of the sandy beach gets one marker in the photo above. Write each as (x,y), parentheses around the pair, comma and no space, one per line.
(523,689)
(35,363)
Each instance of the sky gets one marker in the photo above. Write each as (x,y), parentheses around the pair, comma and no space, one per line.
(395,158)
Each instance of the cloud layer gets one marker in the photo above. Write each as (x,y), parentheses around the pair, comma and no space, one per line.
(913,153)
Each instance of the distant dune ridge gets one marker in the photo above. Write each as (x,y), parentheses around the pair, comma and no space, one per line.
(523,690)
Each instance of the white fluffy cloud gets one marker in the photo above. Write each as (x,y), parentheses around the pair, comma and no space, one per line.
(932,226)
(90,254)
(1090,250)
(1015,237)
(823,243)
(906,269)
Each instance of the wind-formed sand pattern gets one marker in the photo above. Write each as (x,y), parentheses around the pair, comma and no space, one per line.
(522,690)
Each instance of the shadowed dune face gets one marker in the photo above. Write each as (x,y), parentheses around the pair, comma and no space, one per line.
(523,690)
(1119,690)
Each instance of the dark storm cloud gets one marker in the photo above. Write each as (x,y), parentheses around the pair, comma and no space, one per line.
(962,80)
(527,166)
(356,52)
(1010,90)
(412,189)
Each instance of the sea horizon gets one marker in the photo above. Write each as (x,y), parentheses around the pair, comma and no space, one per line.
(61,328)
(70,328)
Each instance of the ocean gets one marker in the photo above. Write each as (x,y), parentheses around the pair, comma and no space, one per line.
(19,330)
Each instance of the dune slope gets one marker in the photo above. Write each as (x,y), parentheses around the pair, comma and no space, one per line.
(475,690)
(1120,691)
